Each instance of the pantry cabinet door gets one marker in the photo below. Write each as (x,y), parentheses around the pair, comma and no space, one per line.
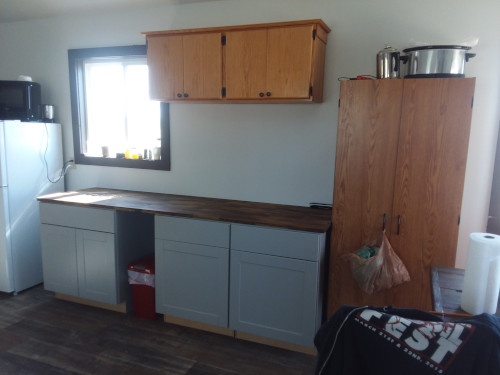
(289,61)
(434,137)
(365,164)
(246,53)
(166,67)
(202,66)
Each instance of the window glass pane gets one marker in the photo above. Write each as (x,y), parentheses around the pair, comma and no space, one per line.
(110,107)
(120,115)
(143,115)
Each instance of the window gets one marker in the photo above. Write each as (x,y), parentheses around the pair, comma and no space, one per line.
(114,122)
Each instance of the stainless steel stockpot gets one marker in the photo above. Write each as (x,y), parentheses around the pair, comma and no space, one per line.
(388,65)
(437,61)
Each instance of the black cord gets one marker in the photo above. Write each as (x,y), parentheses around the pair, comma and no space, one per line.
(65,166)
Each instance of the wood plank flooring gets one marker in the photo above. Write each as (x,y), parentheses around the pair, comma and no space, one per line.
(40,334)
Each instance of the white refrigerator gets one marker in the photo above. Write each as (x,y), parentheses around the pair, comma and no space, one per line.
(30,166)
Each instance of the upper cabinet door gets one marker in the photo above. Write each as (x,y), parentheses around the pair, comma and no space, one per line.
(185,66)
(166,67)
(289,61)
(202,66)
(272,63)
(246,59)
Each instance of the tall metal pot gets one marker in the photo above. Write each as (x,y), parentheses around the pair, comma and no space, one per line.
(388,64)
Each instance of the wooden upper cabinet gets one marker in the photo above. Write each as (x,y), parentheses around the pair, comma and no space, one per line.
(281,62)
(185,66)
(274,63)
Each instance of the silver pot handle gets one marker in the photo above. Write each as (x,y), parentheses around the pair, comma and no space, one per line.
(469,56)
(396,63)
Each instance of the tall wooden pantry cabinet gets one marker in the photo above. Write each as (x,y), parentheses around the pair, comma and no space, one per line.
(400,163)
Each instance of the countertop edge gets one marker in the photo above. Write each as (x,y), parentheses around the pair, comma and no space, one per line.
(283,219)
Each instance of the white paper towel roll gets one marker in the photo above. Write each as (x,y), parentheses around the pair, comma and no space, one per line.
(482,274)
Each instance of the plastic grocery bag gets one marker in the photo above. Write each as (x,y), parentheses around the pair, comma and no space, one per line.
(378,272)
(141,278)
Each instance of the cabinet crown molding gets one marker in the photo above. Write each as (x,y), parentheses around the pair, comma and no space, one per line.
(318,22)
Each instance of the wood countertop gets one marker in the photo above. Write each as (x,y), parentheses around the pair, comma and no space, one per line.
(242,212)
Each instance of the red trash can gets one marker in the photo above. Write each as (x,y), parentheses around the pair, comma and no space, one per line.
(141,277)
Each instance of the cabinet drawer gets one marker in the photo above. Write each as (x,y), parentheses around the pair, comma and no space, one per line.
(279,242)
(97,219)
(204,232)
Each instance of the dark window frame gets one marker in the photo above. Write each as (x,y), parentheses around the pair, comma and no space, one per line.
(75,61)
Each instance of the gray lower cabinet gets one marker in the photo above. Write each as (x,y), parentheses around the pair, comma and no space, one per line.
(79,255)
(192,268)
(60,272)
(257,280)
(96,256)
(275,283)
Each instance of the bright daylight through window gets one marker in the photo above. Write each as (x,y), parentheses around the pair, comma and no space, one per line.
(114,122)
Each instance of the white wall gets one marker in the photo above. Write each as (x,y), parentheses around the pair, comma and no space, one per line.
(280,153)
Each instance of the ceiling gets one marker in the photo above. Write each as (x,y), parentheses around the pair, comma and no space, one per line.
(23,10)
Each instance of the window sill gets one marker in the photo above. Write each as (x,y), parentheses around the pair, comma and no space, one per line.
(124,163)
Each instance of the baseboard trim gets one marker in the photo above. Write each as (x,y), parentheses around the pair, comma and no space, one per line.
(121,307)
(276,343)
(239,335)
(198,325)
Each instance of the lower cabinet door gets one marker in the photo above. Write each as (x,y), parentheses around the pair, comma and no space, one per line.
(274,297)
(59,259)
(192,281)
(97,279)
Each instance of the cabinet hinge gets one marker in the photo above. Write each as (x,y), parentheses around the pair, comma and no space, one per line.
(339,103)
(223,40)
(458,220)
(223,92)
(310,91)
(314,34)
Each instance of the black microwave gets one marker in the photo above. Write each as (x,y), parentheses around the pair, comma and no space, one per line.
(20,100)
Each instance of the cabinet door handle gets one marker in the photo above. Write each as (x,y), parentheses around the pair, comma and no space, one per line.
(399,224)
(268,93)
(261,94)
(186,95)
(179,95)
(383,223)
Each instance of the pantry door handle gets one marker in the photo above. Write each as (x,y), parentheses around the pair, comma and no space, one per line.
(399,224)
(383,223)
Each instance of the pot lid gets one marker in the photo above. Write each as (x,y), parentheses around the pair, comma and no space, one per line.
(437,47)
(388,48)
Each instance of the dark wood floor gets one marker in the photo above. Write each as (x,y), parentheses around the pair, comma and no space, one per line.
(43,335)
